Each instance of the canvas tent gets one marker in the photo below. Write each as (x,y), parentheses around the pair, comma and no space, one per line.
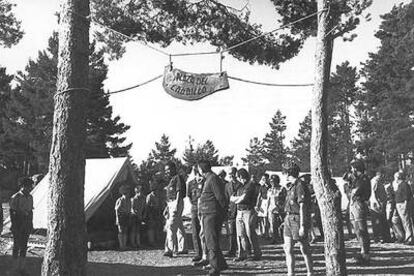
(102,180)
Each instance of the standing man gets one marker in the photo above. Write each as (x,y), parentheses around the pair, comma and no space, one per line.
(138,202)
(231,189)
(195,187)
(358,209)
(123,216)
(297,220)
(176,191)
(403,200)
(212,208)
(378,202)
(246,219)
(261,206)
(277,197)
(21,216)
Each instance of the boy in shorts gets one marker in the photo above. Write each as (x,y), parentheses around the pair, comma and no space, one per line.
(297,220)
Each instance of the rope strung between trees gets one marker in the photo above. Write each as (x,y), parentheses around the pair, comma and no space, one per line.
(277,29)
(230,77)
(270,84)
(135,86)
(199,53)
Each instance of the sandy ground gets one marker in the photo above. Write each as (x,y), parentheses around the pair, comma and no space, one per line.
(387,259)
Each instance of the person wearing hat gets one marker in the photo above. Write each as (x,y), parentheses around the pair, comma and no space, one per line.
(297,220)
(123,215)
(358,209)
(231,187)
(21,216)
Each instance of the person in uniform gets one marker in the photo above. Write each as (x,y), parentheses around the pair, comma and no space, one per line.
(231,189)
(154,208)
(138,203)
(297,220)
(277,196)
(21,216)
(246,219)
(358,209)
(212,206)
(396,229)
(194,192)
(123,215)
(377,204)
(176,191)
(403,200)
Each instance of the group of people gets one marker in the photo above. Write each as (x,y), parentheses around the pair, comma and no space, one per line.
(236,204)
(287,214)
(389,202)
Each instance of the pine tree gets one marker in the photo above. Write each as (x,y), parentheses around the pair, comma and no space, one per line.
(66,250)
(300,146)
(189,155)
(386,100)
(274,148)
(30,112)
(163,152)
(7,158)
(10,28)
(342,98)
(255,159)
(255,153)
(226,160)
(208,151)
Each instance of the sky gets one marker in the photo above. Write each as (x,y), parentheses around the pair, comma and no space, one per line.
(230,118)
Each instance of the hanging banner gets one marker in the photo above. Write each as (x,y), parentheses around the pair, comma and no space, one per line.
(191,86)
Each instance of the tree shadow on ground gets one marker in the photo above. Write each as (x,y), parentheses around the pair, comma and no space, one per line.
(102,269)
(382,271)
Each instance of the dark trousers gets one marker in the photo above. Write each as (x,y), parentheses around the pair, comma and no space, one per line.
(358,214)
(232,236)
(212,224)
(196,227)
(380,227)
(20,240)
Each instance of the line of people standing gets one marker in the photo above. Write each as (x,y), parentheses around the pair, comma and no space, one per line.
(236,204)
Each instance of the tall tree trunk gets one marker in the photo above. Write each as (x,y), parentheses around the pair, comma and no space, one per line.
(66,251)
(329,198)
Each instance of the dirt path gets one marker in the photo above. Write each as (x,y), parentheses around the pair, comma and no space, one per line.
(387,259)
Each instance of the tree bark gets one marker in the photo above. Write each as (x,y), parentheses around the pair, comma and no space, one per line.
(329,198)
(66,251)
